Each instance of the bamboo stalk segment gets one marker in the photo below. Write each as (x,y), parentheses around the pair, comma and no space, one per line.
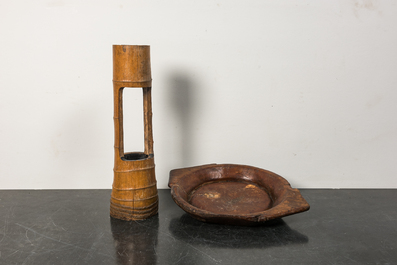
(134,191)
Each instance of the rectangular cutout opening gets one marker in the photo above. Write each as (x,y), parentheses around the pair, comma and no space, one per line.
(133,120)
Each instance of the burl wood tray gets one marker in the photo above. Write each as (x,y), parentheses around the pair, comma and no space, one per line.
(234,194)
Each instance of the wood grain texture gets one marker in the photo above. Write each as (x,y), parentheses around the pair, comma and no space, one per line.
(234,194)
(134,191)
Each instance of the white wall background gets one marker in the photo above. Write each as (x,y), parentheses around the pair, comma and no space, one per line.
(306,89)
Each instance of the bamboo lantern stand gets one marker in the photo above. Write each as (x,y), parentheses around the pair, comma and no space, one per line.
(134,192)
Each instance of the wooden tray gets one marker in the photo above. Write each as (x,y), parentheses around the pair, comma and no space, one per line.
(234,194)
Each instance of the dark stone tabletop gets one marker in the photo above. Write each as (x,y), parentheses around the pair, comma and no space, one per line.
(74,227)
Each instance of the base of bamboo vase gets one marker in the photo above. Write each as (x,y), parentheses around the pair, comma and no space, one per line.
(134,194)
(124,213)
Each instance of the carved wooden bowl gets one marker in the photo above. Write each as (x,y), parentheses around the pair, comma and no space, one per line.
(234,194)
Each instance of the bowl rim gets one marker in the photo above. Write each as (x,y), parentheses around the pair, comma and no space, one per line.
(291,201)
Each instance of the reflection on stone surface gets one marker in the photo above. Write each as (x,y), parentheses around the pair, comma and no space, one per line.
(73,227)
(275,233)
(135,242)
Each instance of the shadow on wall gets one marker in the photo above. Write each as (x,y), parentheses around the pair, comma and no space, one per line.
(183,100)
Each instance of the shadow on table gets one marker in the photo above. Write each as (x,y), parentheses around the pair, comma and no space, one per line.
(274,233)
(135,241)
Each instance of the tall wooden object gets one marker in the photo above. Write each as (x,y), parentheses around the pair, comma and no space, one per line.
(134,193)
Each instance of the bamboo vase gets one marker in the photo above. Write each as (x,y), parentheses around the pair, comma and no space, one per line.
(134,191)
